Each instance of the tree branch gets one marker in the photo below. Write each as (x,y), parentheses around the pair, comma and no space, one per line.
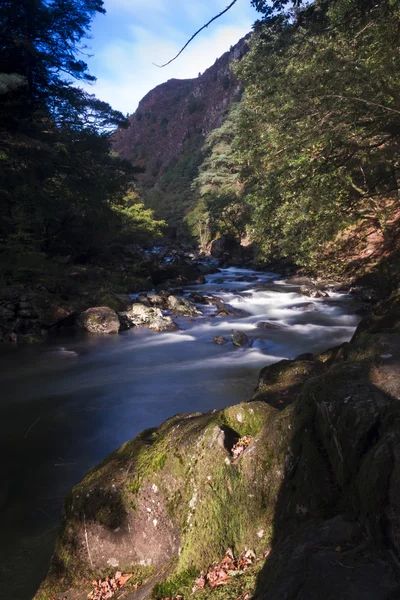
(363,101)
(195,34)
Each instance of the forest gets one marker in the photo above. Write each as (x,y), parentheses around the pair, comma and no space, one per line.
(312,149)
(63,192)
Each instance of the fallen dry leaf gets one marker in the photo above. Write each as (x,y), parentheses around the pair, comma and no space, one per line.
(241,446)
(220,573)
(104,589)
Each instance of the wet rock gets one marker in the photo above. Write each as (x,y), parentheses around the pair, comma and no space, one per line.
(302,307)
(140,315)
(313,292)
(268,325)
(280,383)
(156,300)
(198,298)
(225,247)
(220,340)
(240,339)
(182,307)
(145,316)
(365,294)
(226,310)
(143,299)
(122,302)
(99,319)
(163,324)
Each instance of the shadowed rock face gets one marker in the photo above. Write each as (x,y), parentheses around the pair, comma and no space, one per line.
(317,487)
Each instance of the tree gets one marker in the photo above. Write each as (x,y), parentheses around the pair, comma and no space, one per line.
(319,135)
(220,206)
(59,180)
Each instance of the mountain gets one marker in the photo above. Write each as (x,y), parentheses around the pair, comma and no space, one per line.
(167,133)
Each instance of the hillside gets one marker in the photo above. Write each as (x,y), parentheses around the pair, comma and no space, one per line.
(168,130)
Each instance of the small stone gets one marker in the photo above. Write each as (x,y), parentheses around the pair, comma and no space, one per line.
(220,340)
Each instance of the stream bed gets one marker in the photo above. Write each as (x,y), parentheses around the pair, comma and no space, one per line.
(66,404)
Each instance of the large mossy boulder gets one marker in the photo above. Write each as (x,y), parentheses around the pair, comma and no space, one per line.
(176,492)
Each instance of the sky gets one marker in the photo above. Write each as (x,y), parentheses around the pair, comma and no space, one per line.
(135,33)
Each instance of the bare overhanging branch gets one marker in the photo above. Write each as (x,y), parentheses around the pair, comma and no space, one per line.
(197,33)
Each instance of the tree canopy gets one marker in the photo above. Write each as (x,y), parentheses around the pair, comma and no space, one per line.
(60,184)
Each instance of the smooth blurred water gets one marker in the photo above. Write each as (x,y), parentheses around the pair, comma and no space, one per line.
(68,403)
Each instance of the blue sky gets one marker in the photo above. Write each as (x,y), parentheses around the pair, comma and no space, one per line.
(135,33)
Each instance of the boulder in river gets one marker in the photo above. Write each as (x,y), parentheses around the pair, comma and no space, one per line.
(313,292)
(182,307)
(163,324)
(268,325)
(226,310)
(99,319)
(240,339)
(302,307)
(145,316)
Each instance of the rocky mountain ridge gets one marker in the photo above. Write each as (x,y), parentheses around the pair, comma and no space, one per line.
(172,121)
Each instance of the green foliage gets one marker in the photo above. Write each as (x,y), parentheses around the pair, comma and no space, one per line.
(136,223)
(173,198)
(61,188)
(220,206)
(319,136)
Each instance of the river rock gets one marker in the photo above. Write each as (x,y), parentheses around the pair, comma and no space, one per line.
(99,319)
(144,316)
(220,340)
(268,325)
(302,307)
(226,310)
(182,307)
(156,300)
(198,298)
(313,292)
(163,324)
(240,339)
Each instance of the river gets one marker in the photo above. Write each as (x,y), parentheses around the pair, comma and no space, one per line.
(66,404)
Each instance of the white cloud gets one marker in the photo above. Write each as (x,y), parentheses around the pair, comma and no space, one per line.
(134,34)
(128,72)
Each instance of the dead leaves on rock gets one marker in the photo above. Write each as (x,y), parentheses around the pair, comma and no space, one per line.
(241,446)
(220,574)
(103,589)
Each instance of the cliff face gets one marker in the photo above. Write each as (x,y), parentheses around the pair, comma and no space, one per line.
(170,126)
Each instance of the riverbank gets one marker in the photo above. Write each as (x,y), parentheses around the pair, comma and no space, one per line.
(313,493)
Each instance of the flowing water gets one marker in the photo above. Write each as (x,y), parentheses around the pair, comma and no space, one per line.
(68,403)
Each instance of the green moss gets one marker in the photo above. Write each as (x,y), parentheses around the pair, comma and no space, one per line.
(246,418)
(94,319)
(180,584)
